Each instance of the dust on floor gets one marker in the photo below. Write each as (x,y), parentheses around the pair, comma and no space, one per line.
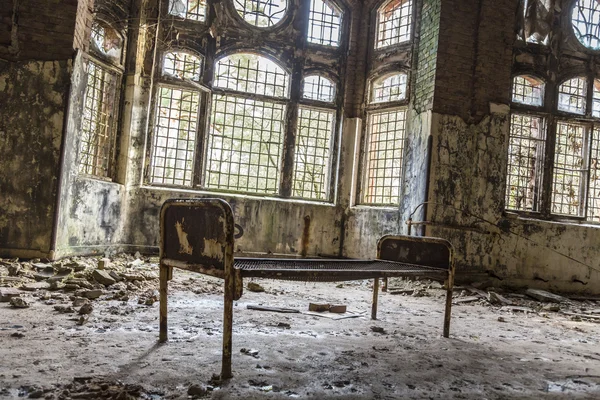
(63,342)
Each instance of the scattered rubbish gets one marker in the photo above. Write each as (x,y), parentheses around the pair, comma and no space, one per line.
(318,307)
(495,298)
(501,319)
(338,308)
(284,325)
(249,352)
(551,307)
(544,296)
(588,316)
(7,293)
(197,390)
(19,302)
(402,291)
(518,309)
(272,309)
(463,300)
(255,287)
(378,329)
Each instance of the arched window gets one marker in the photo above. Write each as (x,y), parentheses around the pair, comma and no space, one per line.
(528,90)
(261,13)
(182,65)
(384,142)
(586,23)
(572,167)
(572,95)
(317,87)
(324,24)
(98,130)
(389,88)
(194,10)
(176,121)
(247,133)
(394,23)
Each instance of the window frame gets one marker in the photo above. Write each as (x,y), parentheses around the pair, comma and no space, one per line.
(342,26)
(415,4)
(552,117)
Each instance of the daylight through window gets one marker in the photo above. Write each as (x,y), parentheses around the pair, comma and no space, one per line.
(194,10)
(324,24)
(394,21)
(261,13)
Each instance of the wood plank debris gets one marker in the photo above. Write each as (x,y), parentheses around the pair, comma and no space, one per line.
(273,309)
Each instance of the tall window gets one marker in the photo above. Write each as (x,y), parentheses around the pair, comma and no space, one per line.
(384,143)
(564,183)
(324,24)
(176,120)
(247,133)
(394,23)
(314,137)
(100,105)
(194,10)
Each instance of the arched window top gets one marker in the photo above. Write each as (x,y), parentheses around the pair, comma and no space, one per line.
(317,87)
(106,40)
(324,23)
(261,13)
(585,20)
(572,95)
(188,9)
(182,65)
(528,90)
(251,73)
(394,20)
(389,88)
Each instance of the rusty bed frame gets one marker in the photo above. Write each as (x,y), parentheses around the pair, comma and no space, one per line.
(198,235)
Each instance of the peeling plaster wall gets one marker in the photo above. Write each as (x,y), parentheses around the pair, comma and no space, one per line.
(32,98)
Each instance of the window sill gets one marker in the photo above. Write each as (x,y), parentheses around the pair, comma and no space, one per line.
(251,197)
(365,207)
(555,220)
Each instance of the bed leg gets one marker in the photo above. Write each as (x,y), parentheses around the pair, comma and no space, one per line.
(375,298)
(227,327)
(447,313)
(385,285)
(164,276)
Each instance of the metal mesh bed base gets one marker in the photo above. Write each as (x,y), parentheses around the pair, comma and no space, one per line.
(332,270)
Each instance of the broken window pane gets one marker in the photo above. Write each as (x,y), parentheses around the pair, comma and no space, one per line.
(572,96)
(317,87)
(245,146)
(390,88)
(261,13)
(324,23)
(251,73)
(98,122)
(188,9)
(569,170)
(586,23)
(394,20)
(535,22)
(593,209)
(312,156)
(384,155)
(174,136)
(182,66)
(528,90)
(106,41)
(525,162)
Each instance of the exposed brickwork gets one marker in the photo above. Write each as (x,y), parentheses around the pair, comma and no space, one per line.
(6,14)
(44,29)
(427,55)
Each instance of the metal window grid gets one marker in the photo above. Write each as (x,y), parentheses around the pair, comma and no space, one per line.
(251,73)
(384,155)
(525,162)
(245,145)
(394,23)
(317,87)
(324,24)
(596,99)
(391,88)
(569,169)
(572,96)
(182,65)
(261,13)
(586,23)
(593,208)
(106,40)
(313,153)
(194,10)
(528,90)
(97,125)
(174,136)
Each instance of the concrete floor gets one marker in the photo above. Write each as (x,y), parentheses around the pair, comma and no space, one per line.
(493,353)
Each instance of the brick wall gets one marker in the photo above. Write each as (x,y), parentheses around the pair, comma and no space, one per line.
(427,55)
(6,13)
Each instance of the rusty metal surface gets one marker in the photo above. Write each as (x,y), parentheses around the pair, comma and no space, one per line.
(420,250)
